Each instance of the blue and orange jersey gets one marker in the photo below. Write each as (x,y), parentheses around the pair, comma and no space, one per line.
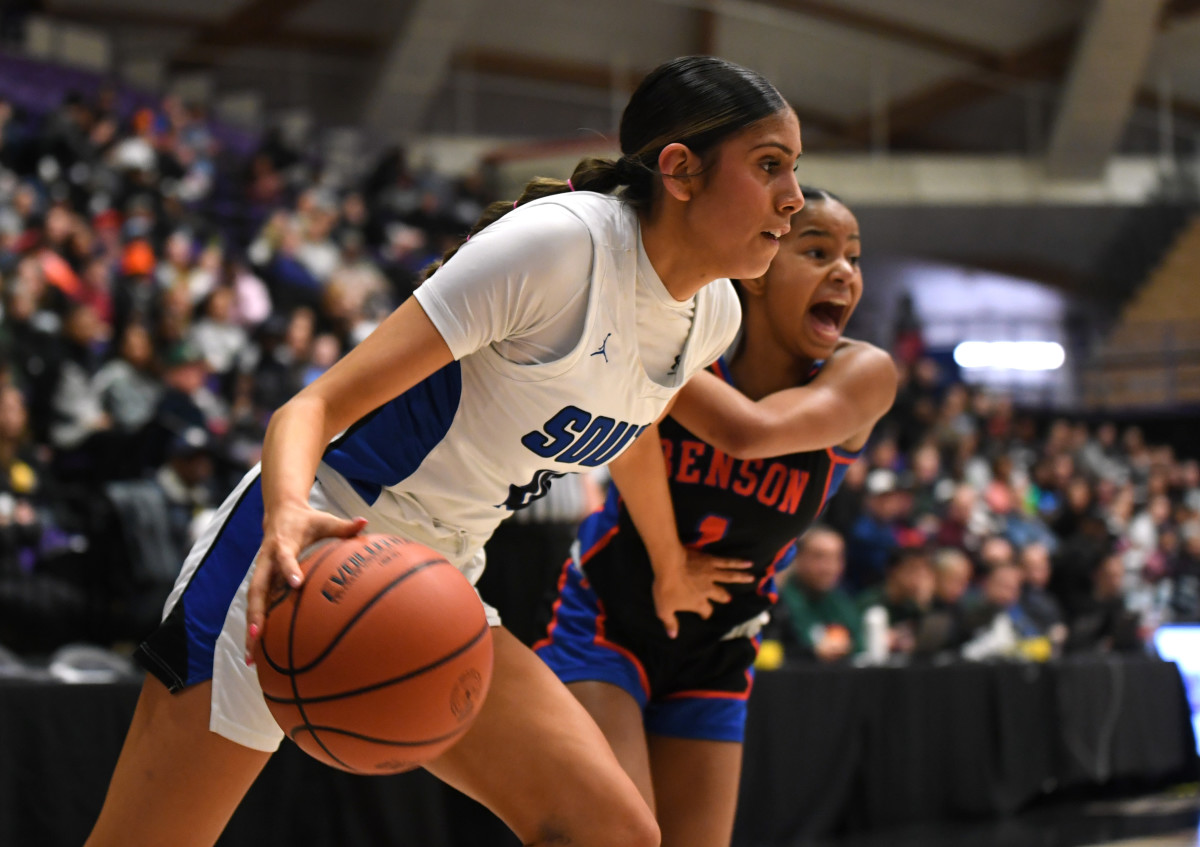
(746,509)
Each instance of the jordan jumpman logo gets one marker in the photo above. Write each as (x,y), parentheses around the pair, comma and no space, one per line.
(602,351)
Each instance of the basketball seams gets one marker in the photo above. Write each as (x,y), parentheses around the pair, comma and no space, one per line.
(387,742)
(324,552)
(299,704)
(325,698)
(325,718)
(413,571)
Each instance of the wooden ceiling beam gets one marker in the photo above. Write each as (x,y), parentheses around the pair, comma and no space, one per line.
(312,40)
(1045,58)
(889,28)
(245,26)
(1179,9)
(592,75)
(541,69)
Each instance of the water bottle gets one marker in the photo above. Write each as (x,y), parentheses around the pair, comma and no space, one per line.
(875,625)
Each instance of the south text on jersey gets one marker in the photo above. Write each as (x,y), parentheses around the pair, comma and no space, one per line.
(573,436)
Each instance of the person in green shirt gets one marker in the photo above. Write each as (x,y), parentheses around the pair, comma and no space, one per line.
(816,620)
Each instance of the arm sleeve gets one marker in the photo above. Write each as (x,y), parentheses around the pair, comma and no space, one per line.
(525,276)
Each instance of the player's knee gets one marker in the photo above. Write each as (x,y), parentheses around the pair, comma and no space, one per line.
(629,824)
(634,827)
(643,832)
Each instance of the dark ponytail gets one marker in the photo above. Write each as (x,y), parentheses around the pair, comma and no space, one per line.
(698,101)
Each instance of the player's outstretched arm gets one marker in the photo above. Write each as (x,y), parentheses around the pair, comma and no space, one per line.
(685,580)
(838,407)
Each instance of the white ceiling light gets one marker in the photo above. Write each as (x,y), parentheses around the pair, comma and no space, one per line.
(1010,355)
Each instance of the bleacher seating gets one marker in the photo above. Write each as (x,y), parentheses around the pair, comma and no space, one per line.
(1151,358)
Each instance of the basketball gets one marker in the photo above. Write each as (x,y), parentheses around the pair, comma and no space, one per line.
(381,660)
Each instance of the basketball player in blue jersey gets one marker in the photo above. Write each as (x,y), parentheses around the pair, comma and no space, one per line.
(545,345)
(669,690)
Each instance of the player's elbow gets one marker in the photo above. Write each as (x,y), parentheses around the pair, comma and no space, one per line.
(744,440)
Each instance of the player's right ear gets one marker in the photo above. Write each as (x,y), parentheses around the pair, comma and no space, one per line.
(677,163)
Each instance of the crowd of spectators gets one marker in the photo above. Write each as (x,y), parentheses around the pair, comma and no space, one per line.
(160,297)
(983,533)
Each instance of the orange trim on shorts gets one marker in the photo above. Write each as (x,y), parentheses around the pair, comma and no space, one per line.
(601,641)
(715,695)
(562,582)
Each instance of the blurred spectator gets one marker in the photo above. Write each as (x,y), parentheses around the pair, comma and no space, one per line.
(872,538)
(1019,527)
(32,345)
(1100,622)
(944,627)
(1071,579)
(80,421)
(995,551)
(1189,483)
(1041,607)
(847,504)
(815,619)
(220,339)
(22,484)
(996,623)
(127,386)
(1100,457)
(251,299)
(1185,576)
(182,270)
(931,489)
(188,483)
(186,404)
(906,595)
(963,521)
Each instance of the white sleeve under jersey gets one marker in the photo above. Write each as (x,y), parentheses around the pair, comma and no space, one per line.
(520,285)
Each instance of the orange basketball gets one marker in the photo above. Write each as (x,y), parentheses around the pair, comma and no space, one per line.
(380,660)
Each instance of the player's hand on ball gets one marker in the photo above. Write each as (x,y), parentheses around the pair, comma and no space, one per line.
(286,531)
(694,584)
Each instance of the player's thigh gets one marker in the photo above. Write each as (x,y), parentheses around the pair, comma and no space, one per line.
(536,759)
(696,788)
(619,717)
(175,781)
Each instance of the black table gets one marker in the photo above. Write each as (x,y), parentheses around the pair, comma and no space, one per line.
(827,749)
(831,749)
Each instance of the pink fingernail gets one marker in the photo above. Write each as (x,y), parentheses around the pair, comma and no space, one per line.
(249,661)
(253,630)
(294,579)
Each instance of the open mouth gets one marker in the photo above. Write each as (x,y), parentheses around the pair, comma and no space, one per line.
(829,315)
(775,234)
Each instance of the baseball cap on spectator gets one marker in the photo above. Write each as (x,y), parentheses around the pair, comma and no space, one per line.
(194,439)
(182,353)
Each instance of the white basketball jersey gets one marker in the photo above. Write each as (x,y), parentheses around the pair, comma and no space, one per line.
(485,436)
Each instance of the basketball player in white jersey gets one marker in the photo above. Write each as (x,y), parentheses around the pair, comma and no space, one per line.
(551,339)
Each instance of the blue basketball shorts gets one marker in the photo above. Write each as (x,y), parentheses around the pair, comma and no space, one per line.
(695,691)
